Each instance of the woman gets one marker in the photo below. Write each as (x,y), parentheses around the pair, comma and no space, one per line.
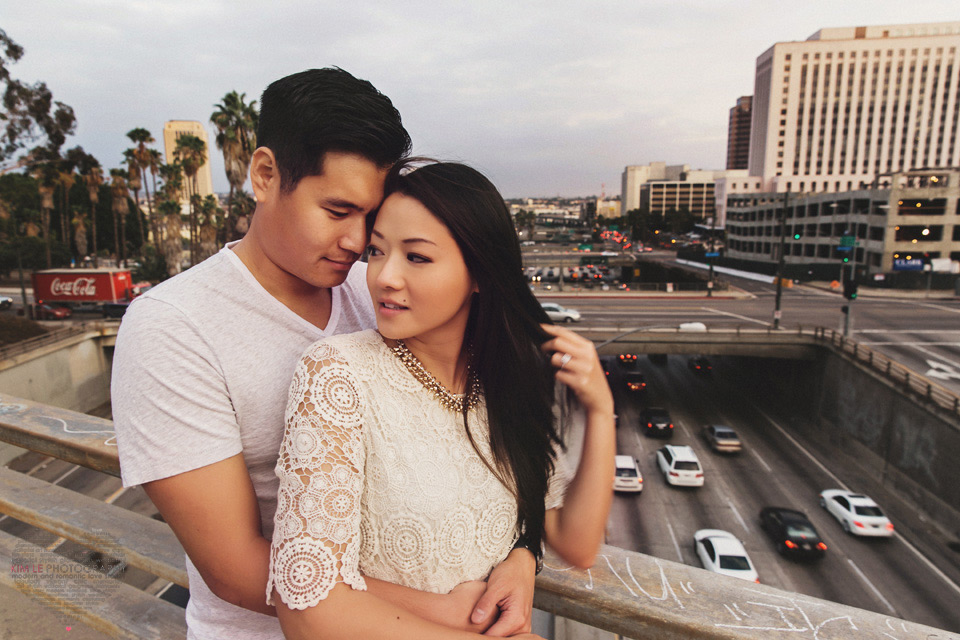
(421,452)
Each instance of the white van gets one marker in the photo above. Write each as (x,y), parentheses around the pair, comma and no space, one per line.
(627,476)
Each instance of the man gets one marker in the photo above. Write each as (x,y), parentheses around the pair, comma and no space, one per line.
(203,362)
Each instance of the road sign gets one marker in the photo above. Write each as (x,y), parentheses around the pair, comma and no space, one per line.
(776,315)
(848,241)
(712,254)
(903,264)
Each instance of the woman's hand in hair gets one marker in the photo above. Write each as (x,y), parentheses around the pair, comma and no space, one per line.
(578,366)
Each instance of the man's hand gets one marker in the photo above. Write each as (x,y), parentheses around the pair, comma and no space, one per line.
(509,591)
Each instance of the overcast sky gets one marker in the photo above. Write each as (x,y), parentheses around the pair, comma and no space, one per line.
(547,98)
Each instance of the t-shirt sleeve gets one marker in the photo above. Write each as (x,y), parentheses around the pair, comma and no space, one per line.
(171,407)
(316,536)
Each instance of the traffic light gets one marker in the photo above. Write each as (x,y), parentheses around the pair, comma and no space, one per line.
(850,289)
(796,235)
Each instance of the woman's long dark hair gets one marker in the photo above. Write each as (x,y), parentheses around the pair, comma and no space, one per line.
(503,332)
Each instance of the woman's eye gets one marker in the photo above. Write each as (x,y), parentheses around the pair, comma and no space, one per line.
(417,258)
(373,251)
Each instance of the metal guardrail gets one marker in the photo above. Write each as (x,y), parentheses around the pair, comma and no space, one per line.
(51,337)
(627,593)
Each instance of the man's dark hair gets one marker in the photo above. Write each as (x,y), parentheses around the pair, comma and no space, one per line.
(304,115)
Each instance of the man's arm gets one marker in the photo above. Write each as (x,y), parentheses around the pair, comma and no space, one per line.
(213,512)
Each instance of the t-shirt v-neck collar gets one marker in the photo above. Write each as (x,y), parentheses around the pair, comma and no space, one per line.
(283,309)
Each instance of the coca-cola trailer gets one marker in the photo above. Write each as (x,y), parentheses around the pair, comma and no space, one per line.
(83,287)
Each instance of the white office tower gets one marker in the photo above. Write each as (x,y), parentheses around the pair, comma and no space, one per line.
(851,104)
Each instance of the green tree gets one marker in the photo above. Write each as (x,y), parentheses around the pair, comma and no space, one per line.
(93,179)
(144,159)
(236,123)
(30,114)
(120,208)
(192,153)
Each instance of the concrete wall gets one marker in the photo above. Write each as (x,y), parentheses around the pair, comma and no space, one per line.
(866,430)
(73,374)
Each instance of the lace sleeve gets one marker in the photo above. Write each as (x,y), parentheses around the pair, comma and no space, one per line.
(316,539)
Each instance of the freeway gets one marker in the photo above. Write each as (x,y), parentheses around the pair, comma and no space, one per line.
(885,576)
(923,335)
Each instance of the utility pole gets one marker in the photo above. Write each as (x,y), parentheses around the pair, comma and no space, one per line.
(780,262)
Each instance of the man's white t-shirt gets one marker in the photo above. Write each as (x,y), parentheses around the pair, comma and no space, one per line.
(201,372)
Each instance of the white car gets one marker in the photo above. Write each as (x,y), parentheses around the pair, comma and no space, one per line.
(560,314)
(680,465)
(627,476)
(856,513)
(721,552)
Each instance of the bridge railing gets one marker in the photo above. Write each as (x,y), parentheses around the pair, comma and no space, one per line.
(626,593)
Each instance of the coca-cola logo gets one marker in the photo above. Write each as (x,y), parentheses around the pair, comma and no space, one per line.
(77,287)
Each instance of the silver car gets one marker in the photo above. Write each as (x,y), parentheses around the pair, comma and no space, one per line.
(560,314)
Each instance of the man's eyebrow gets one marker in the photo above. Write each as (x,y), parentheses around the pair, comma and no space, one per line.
(340,203)
(405,240)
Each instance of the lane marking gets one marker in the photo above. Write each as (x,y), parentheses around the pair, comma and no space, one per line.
(739,517)
(907,331)
(763,463)
(876,592)
(736,315)
(675,545)
(936,570)
(910,344)
(639,442)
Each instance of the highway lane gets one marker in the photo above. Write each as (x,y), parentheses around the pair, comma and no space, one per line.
(879,575)
(924,336)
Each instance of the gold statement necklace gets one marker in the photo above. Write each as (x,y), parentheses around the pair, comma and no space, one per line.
(447,400)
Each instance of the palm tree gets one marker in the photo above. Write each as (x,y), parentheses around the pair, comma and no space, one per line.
(65,181)
(192,152)
(152,162)
(120,210)
(46,176)
(212,215)
(80,231)
(145,159)
(236,124)
(94,180)
(134,182)
(172,244)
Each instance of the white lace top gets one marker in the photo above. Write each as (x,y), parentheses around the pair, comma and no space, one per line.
(376,478)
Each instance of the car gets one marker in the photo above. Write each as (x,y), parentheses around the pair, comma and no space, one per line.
(634,381)
(114,309)
(655,422)
(721,552)
(627,361)
(722,439)
(46,311)
(560,314)
(700,364)
(857,514)
(627,476)
(5,302)
(792,532)
(680,465)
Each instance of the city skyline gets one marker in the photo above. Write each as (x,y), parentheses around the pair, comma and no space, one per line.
(548,100)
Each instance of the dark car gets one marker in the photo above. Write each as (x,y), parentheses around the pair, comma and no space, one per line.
(115,309)
(634,381)
(722,439)
(792,532)
(628,361)
(700,364)
(655,422)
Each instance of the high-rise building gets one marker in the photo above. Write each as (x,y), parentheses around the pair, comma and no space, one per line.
(738,134)
(659,188)
(172,130)
(851,104)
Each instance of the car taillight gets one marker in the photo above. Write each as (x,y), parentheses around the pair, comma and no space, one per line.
(858,523)
(671,425)
(674,474)
(821,546)
(790,544)
(757,580)
(698,367)
(649,425)
(699,475)
(889,526)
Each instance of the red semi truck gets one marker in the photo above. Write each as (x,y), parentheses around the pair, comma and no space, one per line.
(86,288)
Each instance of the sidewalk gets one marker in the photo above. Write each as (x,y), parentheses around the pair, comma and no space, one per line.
(864,291)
